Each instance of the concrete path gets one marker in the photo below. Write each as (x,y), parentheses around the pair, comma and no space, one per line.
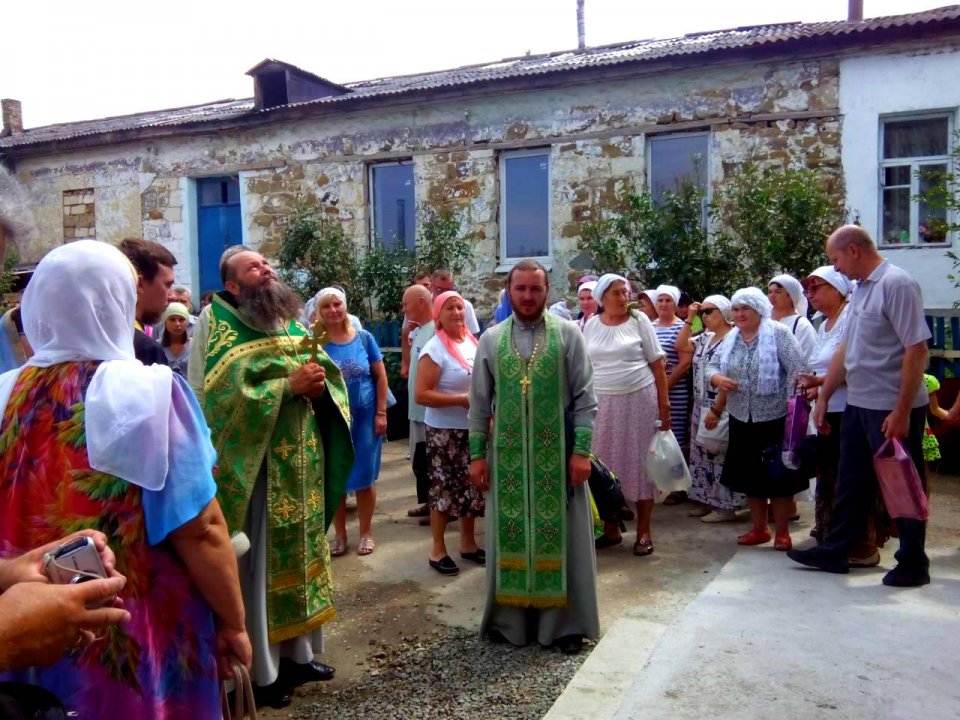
(770,639)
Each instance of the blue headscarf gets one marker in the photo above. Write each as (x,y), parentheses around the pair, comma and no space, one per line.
(504,308)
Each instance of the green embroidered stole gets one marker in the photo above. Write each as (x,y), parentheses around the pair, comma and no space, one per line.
(252,417)
(529,472)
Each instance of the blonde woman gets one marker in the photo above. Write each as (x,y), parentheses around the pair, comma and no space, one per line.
(360,361)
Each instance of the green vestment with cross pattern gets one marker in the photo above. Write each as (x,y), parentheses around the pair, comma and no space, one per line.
(254,419)
(529,470)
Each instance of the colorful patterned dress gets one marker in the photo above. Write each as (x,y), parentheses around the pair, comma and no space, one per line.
(679,393)
(162,664)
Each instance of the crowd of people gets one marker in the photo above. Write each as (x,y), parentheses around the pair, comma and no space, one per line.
(208,455)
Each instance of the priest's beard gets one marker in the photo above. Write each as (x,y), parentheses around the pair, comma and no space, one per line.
(269,305)
(528,315)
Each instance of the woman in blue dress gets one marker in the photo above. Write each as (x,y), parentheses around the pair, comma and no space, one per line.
(361,362)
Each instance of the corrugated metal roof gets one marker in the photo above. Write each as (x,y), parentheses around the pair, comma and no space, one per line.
(642,51)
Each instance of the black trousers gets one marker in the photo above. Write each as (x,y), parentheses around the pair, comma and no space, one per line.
(419,464)
(857,486)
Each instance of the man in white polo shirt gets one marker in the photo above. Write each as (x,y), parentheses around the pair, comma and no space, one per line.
(418,308)
(882,359)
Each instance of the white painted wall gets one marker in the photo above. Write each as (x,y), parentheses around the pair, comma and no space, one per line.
(876,85)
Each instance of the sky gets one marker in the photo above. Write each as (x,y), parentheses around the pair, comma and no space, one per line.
(68,61)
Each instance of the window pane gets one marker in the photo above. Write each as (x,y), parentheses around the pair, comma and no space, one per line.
(915,138)
(932,220)
(218,191)
(896,216)
(233,189)
(394,216)
(527,210)
(675,160)
(898,175)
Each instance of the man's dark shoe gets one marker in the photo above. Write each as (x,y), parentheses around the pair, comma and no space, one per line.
(902,576)
(570,644)
(819,560)
(276,695)
(300,674)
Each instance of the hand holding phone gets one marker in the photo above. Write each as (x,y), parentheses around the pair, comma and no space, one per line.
(74,562)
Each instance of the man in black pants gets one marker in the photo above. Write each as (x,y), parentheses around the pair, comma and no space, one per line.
(881,359)
(154,265)
(418,308)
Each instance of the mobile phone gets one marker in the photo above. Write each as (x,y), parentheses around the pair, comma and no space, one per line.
(75,562)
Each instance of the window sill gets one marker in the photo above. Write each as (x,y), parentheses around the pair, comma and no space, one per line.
(507,265)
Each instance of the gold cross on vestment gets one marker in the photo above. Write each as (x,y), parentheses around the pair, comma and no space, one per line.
(284,449)
(525,383)
(312,442)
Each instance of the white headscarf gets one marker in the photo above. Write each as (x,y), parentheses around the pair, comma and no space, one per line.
(721,303)
(794,290)
(604,283)
(837,280)
(671,291)
(80,306)
(590,285)
(310,308)
(769,370)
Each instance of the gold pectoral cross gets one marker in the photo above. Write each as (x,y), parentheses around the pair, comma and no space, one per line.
(525,384)
(315,340)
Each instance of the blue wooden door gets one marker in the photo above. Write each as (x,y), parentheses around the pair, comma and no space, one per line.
(219,225)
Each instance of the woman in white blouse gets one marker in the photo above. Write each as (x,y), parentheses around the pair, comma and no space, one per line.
(790,308)
(630,379)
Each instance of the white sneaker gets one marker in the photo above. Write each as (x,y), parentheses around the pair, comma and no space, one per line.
(719,516)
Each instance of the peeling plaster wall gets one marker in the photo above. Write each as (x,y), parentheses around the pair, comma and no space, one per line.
(454,146)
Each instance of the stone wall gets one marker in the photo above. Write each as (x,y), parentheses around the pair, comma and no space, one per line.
(775,113)
(79,215)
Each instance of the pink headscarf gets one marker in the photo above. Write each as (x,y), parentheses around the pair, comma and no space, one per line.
(448,342)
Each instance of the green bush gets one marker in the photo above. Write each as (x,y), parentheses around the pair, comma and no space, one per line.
(439,242)
(385,274)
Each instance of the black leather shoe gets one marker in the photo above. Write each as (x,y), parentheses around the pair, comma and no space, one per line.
(276,695)
(570,644)
(819,560)
(300,674)
(902,576)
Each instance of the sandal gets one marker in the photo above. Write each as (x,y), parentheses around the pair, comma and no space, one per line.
(783,542)
(338,547)
(643,547)
(675,498)
(754,537)
(604,542)
(479,556)
(444,566)
(366,545)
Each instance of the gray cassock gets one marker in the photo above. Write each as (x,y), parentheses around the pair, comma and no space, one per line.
(581,616)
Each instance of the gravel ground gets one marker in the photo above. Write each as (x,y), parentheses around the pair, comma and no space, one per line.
(449,675)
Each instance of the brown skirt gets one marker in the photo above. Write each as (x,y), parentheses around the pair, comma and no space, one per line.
(448,467)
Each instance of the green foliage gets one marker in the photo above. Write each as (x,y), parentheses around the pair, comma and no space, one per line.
(439,242)
(943,192)
(315,254)
(385,274)
(601,239)
(776,219)
(7,278)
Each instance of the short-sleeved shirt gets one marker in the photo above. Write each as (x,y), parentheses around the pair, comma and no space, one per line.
(622,354)
(886,317)
(828,342)
(454,380)
(419,337)
(354,360)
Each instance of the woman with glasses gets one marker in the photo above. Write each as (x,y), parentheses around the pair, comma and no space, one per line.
(827,290)
(717,503)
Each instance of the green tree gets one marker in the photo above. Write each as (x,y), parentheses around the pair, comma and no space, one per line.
(385,274)
(315,254)
(776,220)
(439,240)
(942,192)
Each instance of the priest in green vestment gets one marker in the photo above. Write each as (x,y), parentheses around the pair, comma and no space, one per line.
(280,419)
(531,379)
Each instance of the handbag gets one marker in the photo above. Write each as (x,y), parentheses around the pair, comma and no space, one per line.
(244,705)
(714,440)
(795,430)
(900,482)
(606,491)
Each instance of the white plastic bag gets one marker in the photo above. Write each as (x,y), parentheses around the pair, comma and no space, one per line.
(666,467)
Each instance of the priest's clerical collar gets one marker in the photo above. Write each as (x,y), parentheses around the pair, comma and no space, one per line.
(528,326)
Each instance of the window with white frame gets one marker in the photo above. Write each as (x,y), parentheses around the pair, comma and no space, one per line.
(675,160)
(393,216)
(524,204)
(914,159)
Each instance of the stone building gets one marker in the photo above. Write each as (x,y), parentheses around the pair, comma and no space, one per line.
(524,150)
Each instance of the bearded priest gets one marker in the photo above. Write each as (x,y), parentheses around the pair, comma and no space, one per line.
(280,420)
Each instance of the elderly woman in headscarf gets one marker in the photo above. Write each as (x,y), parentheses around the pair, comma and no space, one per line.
(121,449)
(630,380)
(718,504)
(827,291)
(587,303)
(443,387)
(758,365)
(647,303)
(785,294)
(359,358)
(668,326)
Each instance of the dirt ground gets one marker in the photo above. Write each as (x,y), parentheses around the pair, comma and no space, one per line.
(392,598)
